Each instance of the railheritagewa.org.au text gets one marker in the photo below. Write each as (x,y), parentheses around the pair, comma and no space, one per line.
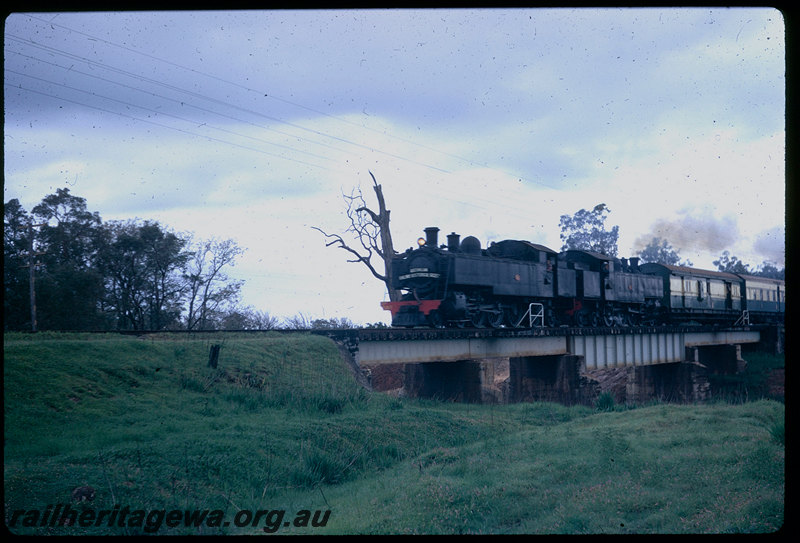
(269,520)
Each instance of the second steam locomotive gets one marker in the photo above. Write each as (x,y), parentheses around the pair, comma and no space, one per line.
(514,283)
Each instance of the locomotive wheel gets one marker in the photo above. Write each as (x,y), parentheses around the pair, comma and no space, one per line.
(495,320)
(511,317)
(628,319)
(435,320)
(478,319)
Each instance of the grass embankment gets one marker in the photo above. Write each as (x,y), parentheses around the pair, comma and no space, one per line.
(281,425)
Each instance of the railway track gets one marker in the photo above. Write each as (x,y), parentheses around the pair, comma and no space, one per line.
(395,334)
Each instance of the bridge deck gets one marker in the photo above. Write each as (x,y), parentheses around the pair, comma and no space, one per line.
(600,347)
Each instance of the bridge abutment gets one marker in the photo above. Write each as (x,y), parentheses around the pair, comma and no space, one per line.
(675,382)
(555,378)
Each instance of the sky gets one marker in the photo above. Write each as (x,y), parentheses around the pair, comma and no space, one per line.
(252,125)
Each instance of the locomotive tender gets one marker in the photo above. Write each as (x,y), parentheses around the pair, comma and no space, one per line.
(515,283)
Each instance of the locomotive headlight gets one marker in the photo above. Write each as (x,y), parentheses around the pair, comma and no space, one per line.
(421,241)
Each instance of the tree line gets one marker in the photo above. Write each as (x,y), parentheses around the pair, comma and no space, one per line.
(66,269)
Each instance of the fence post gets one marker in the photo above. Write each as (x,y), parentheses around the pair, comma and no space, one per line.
(213,355)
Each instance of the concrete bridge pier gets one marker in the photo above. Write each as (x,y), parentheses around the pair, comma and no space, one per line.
(721,359)
(553,378)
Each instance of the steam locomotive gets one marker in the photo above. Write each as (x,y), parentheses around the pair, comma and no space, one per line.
(515,283)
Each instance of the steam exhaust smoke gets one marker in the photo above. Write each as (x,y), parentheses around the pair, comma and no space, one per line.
(693,232)
(771,245)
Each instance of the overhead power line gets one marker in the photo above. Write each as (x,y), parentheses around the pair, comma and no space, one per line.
(272,96)
(513,207)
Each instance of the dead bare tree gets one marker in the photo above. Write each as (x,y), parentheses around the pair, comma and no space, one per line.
(371,231)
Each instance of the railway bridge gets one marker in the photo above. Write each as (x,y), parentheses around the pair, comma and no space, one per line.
(560,364)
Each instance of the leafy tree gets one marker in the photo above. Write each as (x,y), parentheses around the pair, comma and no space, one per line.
(209,288)
(770,270)
(143,264)
(731,264)
(16,285)
(165,258)
(659,250)
(69,287)
(70,233)
(586,231)
(371,231)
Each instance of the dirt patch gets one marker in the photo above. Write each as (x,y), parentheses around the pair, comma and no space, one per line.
(776,382)
(385,377)
(612,380)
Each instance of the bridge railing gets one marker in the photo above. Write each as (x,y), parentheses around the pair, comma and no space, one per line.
(533,317)
(744,319)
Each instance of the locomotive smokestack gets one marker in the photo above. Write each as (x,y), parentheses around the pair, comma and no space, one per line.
(453,241)
(635,263)
(432,238)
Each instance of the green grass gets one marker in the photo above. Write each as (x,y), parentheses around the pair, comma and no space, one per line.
(282,425)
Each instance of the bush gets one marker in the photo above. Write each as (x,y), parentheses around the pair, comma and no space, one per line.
(604,402)
(778,432)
